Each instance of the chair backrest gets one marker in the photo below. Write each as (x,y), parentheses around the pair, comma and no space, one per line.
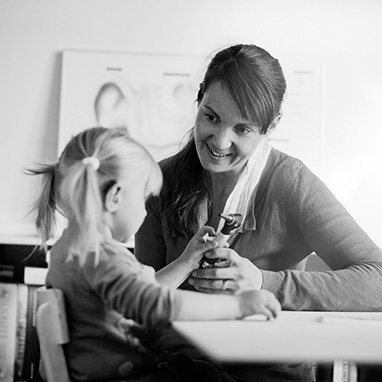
(52,332)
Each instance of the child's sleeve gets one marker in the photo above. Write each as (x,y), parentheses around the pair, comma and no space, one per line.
(123,285)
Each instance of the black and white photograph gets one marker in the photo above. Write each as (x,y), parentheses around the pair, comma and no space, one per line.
(192,190)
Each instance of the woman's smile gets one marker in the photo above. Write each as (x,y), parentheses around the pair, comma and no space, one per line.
(216,154)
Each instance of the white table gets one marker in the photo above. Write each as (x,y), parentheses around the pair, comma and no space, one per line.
(294,336)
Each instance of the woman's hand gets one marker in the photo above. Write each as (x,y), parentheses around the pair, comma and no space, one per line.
(231,274)
(201,242)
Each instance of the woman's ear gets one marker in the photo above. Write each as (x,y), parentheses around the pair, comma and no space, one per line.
(274,124)
(113,198)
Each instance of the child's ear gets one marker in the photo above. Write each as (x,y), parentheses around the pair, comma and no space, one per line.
(113,198)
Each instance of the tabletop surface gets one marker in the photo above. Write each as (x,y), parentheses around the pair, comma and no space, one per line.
(293,336)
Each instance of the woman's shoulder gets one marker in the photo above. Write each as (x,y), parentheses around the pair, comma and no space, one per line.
(165,163)
(281,163)
(171,170)
(284,171)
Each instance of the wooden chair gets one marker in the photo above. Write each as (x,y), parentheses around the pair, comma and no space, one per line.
(52,332)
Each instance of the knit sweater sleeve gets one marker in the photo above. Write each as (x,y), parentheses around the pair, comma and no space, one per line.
(130,288)
(354,282)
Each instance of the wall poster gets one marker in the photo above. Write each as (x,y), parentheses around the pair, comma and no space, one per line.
(153,96)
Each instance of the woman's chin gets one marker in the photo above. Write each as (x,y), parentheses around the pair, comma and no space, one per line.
(215,164)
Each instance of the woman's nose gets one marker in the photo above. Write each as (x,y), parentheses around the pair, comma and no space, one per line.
(223,138)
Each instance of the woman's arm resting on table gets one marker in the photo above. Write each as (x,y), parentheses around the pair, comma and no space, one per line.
(356,288)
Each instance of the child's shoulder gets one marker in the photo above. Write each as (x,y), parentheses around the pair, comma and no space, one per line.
(115,253)
(114,248)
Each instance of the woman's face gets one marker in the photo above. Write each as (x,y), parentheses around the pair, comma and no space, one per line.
(224,139)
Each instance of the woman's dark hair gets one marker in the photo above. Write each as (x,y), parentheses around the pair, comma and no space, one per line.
(257,85)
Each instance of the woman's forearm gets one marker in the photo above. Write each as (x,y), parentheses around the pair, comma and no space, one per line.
(356,288)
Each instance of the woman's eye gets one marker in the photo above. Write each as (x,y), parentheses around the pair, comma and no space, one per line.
(243,130)
(211,118)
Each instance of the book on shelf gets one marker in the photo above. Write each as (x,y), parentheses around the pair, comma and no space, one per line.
(8,327)
(19,348)
(32,349)
(22,308)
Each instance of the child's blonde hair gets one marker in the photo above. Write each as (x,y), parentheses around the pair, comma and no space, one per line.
(91,163)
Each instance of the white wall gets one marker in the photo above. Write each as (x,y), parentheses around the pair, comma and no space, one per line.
(345,35)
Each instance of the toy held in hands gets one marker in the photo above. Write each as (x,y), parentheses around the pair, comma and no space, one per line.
(232,221)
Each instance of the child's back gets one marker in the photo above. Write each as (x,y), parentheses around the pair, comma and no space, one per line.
(97,299)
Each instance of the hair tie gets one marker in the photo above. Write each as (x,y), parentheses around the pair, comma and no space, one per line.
(93,161)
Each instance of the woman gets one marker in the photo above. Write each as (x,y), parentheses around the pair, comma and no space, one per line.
(228,166)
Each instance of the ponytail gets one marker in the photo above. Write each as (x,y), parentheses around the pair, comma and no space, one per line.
(82,201)
(46,204)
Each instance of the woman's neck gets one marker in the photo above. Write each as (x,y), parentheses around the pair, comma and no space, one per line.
(222,184)
(221,187)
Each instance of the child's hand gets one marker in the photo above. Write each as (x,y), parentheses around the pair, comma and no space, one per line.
(202,242)
(259,302)
(125,326)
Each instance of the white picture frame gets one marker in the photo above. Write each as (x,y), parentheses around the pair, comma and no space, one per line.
(157,96)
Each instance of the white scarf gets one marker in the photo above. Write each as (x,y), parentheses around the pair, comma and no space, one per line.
(241,196)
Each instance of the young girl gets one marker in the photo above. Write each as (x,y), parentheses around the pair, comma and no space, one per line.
(101,183)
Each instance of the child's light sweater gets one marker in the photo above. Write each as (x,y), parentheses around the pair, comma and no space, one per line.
(97,299)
